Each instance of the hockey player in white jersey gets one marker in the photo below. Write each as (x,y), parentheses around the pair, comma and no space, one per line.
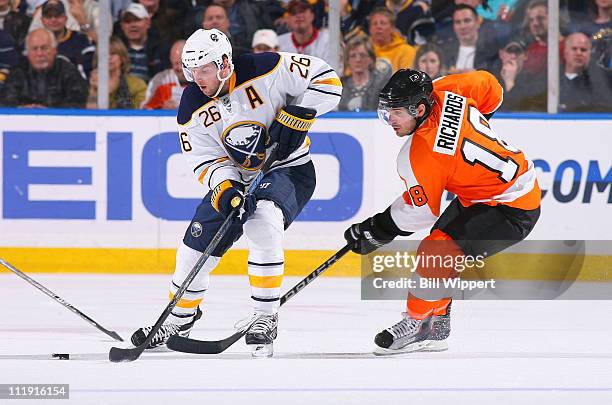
(230,114)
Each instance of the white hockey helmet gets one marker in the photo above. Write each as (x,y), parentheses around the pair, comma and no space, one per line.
(203,47)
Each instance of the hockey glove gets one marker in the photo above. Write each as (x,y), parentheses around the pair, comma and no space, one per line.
(373,233)
(229,196)
(289,129)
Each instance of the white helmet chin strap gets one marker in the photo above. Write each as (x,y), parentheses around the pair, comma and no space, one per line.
(231,66)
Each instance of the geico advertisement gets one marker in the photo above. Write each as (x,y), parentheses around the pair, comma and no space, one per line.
(101,181)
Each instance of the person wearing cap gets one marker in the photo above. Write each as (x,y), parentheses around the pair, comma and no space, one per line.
(148,54)
(303,37)
(44,80)
(72,44)
(14,23)
(71,22)
(523,91)
(265,41)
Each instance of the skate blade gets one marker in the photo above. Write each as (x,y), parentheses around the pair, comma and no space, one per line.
(424,346)
(262,351)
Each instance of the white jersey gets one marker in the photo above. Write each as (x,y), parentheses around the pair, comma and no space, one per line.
(225,138)
(317,46)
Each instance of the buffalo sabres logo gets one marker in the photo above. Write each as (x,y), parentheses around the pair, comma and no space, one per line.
(245,142)
(196,229)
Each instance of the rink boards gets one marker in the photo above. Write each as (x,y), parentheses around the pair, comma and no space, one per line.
(105,192)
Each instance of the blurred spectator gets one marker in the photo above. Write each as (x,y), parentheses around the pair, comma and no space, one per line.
(75,46)
(71,22)
(582,88)
(303,37)
(598,17)
(468,50)
(498,29)
(215,16)
(14,23)
(522,91)
(117,6)
(429,59)
(387,41)
(246,17)
(87,15)
(413,18)
(535,29)
(265,41)
(602,49)
(148,55)
(494,9)
(8,54)
(45,80)
(354,18)
(360,88)
(166,88)
(126,91)
(166,18)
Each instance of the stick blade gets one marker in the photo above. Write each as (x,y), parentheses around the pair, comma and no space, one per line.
(117,354)
(114,335)
(186,345)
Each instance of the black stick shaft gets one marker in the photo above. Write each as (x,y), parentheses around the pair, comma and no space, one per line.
(59,299)
(309,278)
(187,345)
(117,354)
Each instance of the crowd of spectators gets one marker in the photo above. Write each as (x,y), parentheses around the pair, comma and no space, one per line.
(48,47)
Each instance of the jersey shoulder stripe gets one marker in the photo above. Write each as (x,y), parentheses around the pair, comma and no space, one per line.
(251,66)
(191,100)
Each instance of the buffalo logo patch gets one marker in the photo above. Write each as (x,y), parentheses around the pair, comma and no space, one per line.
(196,229)
(245,142)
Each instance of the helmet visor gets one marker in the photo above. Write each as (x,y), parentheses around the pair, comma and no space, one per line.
(386,110)
(383,114)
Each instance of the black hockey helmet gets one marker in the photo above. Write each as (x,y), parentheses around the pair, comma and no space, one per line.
(406,88)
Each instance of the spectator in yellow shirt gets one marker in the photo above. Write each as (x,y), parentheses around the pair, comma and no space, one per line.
(387,41)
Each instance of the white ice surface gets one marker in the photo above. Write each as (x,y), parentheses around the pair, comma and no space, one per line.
(501,352)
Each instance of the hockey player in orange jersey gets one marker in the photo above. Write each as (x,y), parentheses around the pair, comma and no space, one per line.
(449,146)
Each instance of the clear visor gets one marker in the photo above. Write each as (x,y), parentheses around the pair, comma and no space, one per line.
(207,71)
(385,112)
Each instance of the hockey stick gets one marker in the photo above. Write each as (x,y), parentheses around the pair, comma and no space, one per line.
(186,345)
(59,299)
(118,354)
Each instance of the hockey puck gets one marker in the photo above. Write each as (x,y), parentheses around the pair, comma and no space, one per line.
(61,356)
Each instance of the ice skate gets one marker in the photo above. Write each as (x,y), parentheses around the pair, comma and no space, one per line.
(261,335)
(413,335)
(164,333)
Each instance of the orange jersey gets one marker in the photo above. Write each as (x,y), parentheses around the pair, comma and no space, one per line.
(456,149)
